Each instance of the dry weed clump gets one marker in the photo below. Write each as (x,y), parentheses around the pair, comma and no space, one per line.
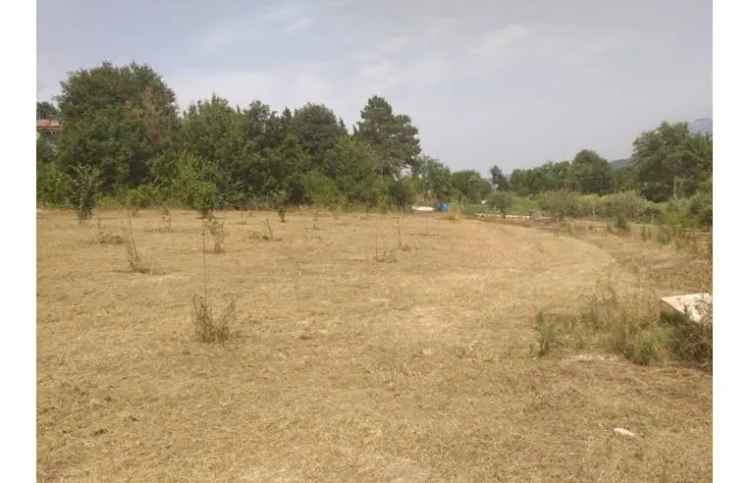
(547,335)
(692,341)
(135,261)
(215,228)
(208,327)
(166,220)
(385,255)
(266,234)
(629,325)
(105,237)
(401,245)
(646,234)
(315,226)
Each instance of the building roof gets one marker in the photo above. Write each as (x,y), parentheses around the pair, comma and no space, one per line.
(47,124)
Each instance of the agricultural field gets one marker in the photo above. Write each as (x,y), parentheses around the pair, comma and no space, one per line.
(361,347)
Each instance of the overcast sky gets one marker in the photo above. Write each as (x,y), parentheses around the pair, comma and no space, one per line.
(497,82)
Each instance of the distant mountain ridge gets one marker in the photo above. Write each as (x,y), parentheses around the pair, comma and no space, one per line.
(704,125)
(619,163)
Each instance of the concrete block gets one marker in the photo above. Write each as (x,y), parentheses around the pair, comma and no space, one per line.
(694,306)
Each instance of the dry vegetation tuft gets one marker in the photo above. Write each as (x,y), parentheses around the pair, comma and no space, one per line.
(106,237)
(210,328)
(215,229)
(628,324)
(136,262)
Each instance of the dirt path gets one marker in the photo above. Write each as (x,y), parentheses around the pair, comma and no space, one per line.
(345,368)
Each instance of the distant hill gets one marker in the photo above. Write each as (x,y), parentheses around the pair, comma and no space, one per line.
(619,163)
(701,126)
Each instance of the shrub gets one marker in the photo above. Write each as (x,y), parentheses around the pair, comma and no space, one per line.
(621,223)
(204,198)
(500,201)
(141,197)
(700,208)
(691,341)
(320,189)
(401,193)
(590,205)
(52,185)
(559,204)
(638,341)
(85,184)
(676,214)
(627,205)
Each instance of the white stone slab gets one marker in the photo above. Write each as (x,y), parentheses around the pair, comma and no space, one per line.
(423,208)
(696,306)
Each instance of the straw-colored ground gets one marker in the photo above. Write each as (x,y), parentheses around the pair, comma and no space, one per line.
(344,368)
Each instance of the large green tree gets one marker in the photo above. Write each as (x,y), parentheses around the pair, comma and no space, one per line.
(591,173)
(318,129)
(393,136)
(499,181)
(352,164)
(116,119)
(671,161)
(437,179)
(470,185)
(217,135)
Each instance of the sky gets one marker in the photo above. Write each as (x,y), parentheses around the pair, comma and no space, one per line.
(486,82)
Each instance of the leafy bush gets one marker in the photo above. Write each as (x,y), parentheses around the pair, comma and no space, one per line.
(590,205)
(638,341)
(700,208)
(204,197)
(85,184)
(52,185)
(501,201)
(401,193)
(560,204)
(320,189)
(141,197)
(627,205)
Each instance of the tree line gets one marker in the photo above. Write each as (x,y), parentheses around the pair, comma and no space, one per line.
(667,162)
(124,137)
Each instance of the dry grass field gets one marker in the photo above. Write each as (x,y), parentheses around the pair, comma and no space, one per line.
(413,366)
